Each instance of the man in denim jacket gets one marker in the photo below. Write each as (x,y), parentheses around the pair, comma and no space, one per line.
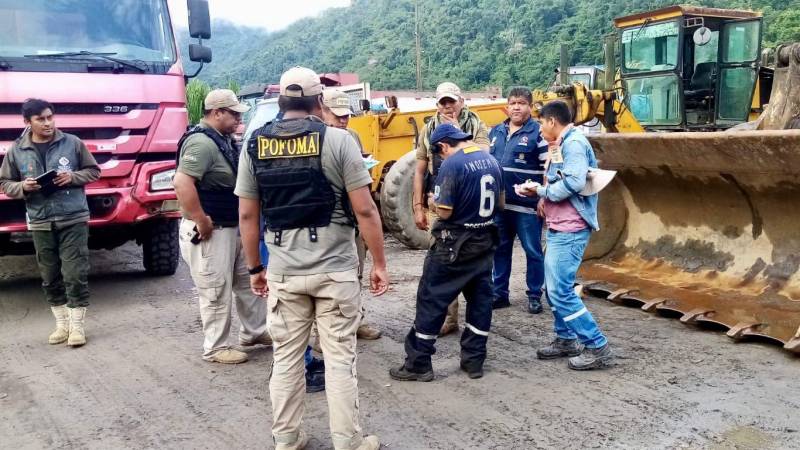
(571,218)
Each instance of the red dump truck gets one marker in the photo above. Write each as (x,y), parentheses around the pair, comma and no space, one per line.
(113,72)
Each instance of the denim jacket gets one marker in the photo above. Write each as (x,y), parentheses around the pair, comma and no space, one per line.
(566,179)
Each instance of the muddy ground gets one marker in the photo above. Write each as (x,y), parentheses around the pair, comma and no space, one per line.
(140,381)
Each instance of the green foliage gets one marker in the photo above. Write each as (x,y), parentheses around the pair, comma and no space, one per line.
(196,91)
(234,86)
(472,42)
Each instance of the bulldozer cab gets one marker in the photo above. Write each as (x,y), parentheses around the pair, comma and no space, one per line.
(687,68)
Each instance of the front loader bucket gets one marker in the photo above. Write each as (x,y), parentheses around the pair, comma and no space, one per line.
(705,226)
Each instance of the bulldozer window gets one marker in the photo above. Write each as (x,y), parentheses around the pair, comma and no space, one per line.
(655,100)
(741,42)
(735,93)
(650,48)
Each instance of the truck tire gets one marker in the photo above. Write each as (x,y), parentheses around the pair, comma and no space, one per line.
(160,248)
(396,207)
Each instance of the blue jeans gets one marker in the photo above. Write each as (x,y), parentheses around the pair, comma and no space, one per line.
(561,263)
(529,229)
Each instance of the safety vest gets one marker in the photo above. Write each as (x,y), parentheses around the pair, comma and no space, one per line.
(222,205)
(294,191)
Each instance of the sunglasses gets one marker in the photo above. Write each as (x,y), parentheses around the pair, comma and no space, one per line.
(235,114)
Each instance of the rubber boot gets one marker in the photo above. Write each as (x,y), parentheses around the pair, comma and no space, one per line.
(370,443)
(61,332)
(298,443)
(77,336)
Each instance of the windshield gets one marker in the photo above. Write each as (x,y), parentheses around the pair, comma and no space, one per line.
(651,47)
(129,29)
(266,111)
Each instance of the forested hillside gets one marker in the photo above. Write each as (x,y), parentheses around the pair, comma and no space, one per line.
(472,42)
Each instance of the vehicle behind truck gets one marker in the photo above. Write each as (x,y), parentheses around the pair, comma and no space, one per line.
(113,73)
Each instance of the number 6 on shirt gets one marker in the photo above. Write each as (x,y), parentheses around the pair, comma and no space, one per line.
(487,196)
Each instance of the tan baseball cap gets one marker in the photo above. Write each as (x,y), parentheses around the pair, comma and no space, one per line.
(337,101)
(300,82)
(448,90)
(224,98)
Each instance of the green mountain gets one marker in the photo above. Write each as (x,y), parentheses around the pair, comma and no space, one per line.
(472,42)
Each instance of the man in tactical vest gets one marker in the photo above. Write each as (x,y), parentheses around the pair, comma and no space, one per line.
(309,183)
(57,212)
(518,146)
(336,112)
(467,194)
(209,234)
(450,109)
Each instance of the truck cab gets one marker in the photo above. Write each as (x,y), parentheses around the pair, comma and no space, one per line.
(113,73)
(686,67)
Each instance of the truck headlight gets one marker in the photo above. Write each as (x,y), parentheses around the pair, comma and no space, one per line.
(162,181)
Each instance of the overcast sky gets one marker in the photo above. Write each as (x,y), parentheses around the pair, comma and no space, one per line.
(269,14)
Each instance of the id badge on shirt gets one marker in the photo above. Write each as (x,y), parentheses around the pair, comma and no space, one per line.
(555,154)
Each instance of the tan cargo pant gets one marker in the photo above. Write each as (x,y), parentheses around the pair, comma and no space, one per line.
(295,302)
(219,272)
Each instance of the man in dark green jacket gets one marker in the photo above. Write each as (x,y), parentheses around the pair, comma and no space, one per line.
(57,212)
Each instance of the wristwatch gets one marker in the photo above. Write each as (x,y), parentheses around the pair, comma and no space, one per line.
(256,270)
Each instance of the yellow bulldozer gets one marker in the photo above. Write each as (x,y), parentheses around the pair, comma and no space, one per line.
(703,129)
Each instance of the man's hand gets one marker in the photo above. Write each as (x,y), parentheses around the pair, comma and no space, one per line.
(258,284)
(30,185)
(205,227)
(420,218)
(527,189)
(378,280)
(540,208)
(63,179)
(451,119)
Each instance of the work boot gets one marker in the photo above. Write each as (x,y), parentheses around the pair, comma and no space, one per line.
(535,306)
(77,336)
(370,443)
(315,375)
(61,332)
(472,373)
(229,356)
(499,303)
(450,324)
(298,444)
(560,348)
(402,374)
(592,358)
(264,339)
(368,332)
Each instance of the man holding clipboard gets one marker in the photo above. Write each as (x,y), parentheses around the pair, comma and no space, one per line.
(49,169)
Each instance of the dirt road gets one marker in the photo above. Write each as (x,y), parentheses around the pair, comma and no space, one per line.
(140,381)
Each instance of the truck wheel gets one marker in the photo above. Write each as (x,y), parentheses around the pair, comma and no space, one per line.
(160,247)
(396,207)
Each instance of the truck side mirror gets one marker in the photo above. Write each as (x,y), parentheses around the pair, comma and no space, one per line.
(199,53)
(199,19)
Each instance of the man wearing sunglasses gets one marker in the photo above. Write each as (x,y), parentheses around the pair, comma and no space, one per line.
(209,235)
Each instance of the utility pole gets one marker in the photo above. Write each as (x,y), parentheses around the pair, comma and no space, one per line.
(418,45)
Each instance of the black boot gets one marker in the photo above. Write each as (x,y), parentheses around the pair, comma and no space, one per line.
(560,348)
(534,306)
(592,358)
(472,372)
(403,374)
(499,303)
(315,375)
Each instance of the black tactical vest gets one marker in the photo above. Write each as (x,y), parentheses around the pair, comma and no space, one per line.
(294,191)
(222,205)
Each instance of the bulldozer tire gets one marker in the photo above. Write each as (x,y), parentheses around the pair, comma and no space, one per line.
(160,248)
(396,207)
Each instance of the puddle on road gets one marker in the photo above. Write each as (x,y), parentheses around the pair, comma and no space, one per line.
(744,438)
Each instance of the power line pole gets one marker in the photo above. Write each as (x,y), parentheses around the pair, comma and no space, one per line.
(418,45)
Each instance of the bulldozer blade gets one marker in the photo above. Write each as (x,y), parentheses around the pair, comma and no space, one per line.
(704,225)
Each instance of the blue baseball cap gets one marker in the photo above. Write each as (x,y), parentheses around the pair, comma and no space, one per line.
(448,130)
